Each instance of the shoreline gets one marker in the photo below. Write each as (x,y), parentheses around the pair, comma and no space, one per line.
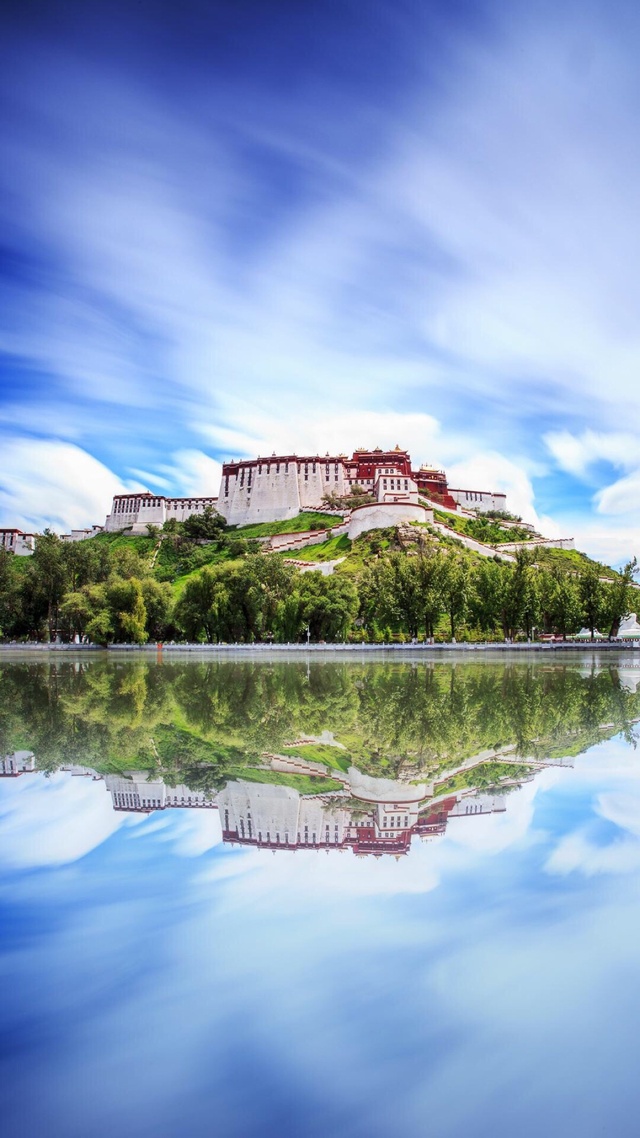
(419,650)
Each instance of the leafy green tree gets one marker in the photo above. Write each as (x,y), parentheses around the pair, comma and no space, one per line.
(46,577)
(158,602)
(76,612)
(127,610)
(592,599)
(485,595)
(9,594)
(329,605)
(205,526)
(619,596)
(455,590)
(85,563)
(593,602)
(559,601)
(431,569)
(202,608)
(127,562)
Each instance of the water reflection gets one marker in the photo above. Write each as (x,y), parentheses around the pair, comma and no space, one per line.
(325,757)
(162,981)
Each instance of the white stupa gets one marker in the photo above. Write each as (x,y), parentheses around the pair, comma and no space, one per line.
(629,628)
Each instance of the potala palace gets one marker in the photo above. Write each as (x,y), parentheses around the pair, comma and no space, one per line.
(279,487)
(371,490)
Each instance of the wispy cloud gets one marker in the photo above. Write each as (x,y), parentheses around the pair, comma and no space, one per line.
(448,235)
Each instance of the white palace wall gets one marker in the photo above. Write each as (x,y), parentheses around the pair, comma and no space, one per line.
(278,489)
(279,815)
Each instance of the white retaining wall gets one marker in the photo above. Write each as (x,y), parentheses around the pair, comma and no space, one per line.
(380,515)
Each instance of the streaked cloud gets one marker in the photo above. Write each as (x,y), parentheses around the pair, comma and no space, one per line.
(46,482)
(436,248)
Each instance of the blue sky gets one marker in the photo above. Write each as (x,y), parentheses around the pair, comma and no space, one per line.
(234,228)
(159,983)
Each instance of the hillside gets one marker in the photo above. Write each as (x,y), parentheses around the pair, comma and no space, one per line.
(406,582)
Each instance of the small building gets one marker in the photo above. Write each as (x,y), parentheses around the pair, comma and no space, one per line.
(480,500)
(18,542)
(81,534)
(134,512)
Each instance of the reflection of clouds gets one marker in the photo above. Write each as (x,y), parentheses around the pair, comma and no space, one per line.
(303,874)
(591,848)
(294,972)
(193,832)
(49,821)
(579,852)
(492,833)
(622,808)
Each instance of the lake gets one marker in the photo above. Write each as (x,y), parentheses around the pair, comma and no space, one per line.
(307,898)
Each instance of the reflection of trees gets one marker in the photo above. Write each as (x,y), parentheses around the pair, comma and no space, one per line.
(203,722)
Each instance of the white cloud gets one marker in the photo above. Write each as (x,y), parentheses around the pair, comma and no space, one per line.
(492,833)
(621,497)
(577,853)
(195,473)
(576,453)
(494,471)
(45,482)
(488,246)
(338,431)
(610,542)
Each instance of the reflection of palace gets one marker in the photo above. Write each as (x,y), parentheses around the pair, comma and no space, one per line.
(278,817)
(373,816)
(369,816)
(381,819)
(17,763)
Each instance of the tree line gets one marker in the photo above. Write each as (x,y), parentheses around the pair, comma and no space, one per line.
(112,594)
(202,722)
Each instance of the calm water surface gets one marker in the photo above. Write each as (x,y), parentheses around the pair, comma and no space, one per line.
(316,899)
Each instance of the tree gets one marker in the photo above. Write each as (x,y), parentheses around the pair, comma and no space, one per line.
(455,590)
(10,601)
(46,576)
(592,598)
(206,526)
(127,611)
(202,609)
(619,596)
(329,605)
(559,601)
(431,569)
(158,599)
(485,595)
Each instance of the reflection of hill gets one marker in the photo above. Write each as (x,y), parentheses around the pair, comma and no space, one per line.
(203,724)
